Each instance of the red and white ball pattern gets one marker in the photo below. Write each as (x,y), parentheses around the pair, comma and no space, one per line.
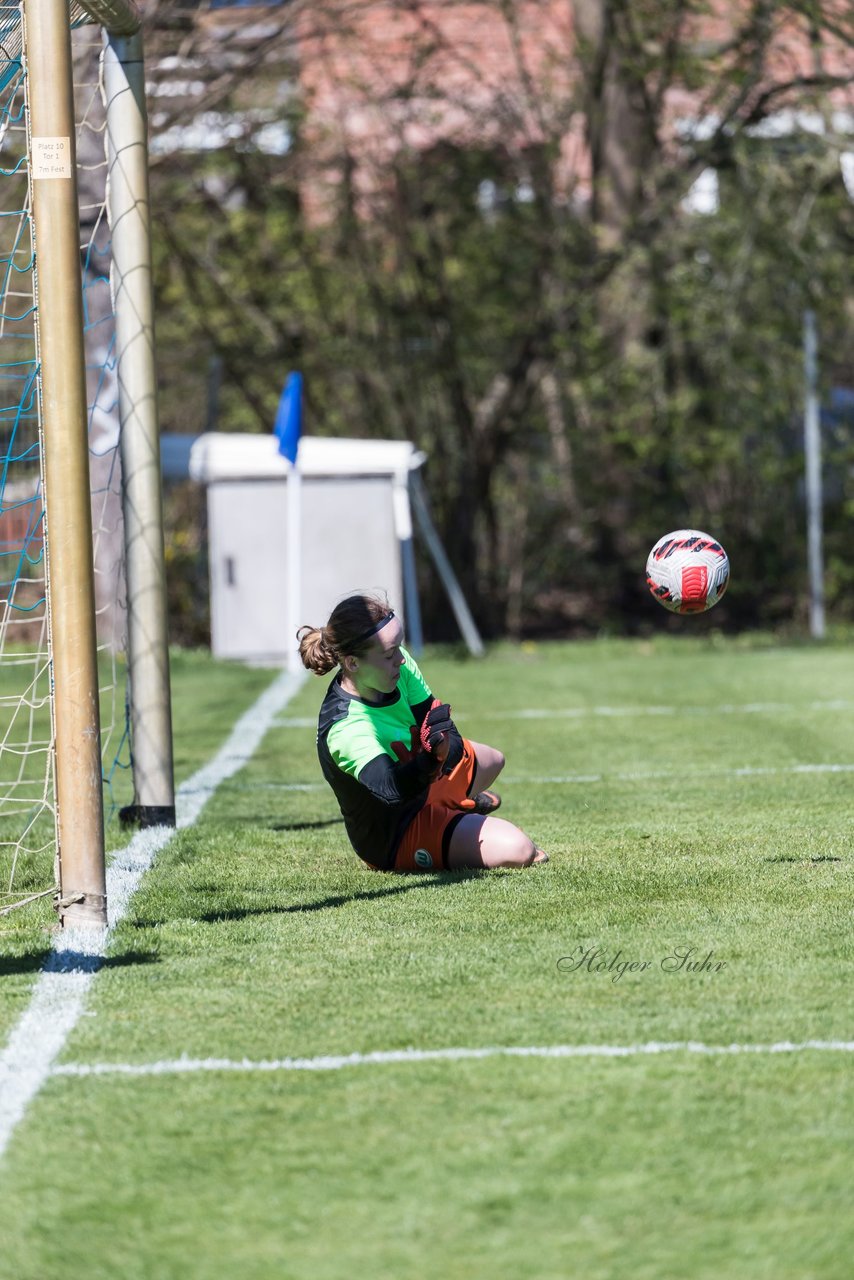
(687,571)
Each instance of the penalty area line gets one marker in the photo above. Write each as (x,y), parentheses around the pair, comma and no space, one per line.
(337,1062)
(59,995)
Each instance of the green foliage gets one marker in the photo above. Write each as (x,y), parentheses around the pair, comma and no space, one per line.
(576,395)
(186,561)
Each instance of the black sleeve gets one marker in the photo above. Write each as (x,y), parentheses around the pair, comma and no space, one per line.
(455,751)
(394,782)
(420,709)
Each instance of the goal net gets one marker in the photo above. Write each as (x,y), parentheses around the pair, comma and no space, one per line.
(30,843)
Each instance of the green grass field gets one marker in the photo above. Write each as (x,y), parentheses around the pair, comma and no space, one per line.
(692,795)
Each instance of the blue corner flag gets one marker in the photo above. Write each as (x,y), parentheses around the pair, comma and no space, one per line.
(288,425)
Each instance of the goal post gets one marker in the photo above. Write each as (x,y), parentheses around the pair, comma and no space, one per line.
(65,461)
(129,214)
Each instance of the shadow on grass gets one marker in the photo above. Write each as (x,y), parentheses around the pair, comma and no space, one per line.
(129,958)
(785,857)
(306,826)
(315,825)
(72,962)
(28,963)
(435,881)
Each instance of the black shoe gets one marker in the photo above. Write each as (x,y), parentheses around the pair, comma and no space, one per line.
(486,802)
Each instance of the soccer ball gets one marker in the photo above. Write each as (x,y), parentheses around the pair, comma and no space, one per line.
(687,571)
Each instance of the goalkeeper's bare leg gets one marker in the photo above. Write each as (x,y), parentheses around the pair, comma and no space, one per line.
(491,842)
(490,762)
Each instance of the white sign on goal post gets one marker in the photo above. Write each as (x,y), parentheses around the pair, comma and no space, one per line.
(65,462)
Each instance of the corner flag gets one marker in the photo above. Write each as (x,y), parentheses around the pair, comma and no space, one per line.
(288,425)
(287,429)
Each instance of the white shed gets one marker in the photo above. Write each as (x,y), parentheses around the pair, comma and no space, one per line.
(355,534)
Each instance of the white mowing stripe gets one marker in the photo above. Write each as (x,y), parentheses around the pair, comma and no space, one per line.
(634,775)
(639,775)
(60,991)
(329,1062)
(605,712)
(669,709)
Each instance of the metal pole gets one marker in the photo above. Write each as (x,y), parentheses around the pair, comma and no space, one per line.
(293,562)
(130,222)
(812,462)
(71,594)
(403,529)
(462,613)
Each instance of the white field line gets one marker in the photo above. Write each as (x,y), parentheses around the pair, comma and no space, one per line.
(60,991)
(188,1066)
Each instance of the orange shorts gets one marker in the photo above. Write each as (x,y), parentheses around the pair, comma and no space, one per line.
(425,842)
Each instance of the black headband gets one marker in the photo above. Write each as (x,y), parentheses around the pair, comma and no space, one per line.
(371,631)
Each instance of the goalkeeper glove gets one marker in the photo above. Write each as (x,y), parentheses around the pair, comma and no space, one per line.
(436,727)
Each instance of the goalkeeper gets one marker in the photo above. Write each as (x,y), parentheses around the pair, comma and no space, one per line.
(413,793)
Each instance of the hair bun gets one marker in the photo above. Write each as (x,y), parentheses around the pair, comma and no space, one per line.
(314,651)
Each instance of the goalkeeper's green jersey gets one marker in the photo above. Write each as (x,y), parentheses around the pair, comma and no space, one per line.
(367,753)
